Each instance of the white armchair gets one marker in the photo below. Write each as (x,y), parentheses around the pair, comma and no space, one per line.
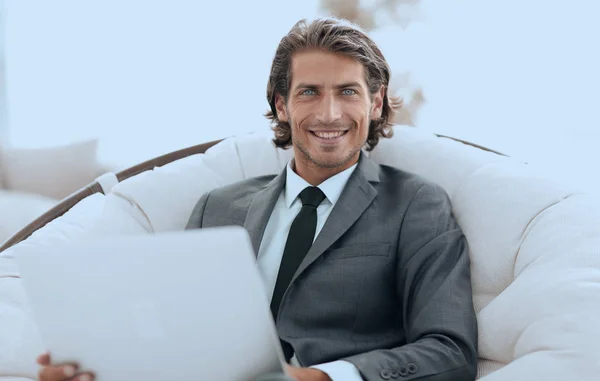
(534,245)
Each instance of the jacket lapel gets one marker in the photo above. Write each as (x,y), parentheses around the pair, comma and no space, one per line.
(358,194)
(261,208)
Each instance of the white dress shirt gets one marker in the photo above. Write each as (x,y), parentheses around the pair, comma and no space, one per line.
(288,205)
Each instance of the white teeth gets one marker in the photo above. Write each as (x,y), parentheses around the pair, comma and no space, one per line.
(329,135)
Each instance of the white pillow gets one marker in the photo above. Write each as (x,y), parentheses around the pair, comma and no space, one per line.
(55,172)
(18,209)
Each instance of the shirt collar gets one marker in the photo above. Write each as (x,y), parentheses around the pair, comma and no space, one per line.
(332,187)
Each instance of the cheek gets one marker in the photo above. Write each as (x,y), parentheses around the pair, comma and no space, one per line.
(365,131)
(297,125)
(296,119)
(359,113)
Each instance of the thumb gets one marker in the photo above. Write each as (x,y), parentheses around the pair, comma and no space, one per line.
(43,359)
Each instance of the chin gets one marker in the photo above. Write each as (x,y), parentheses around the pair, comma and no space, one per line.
(332,162)
(328,164)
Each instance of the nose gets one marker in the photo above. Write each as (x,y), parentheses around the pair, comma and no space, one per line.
(329,109)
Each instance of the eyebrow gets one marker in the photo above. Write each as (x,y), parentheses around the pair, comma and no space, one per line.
(340,86)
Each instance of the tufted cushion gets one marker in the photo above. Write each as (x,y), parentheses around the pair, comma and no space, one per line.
(442,160)
(534,242)
(494,206)
(184,181)
(547,317)
(17,209)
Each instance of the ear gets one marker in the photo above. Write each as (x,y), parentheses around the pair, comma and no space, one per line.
(281,109)
(377,103)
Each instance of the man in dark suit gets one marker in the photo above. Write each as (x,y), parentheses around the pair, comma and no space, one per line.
(365,266)
(384,290)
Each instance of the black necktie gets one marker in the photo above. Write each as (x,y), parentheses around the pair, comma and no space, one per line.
(299,241)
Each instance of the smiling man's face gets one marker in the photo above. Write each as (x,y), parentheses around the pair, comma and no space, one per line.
(329,109)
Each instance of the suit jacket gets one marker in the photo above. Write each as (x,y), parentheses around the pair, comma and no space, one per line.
(386,284)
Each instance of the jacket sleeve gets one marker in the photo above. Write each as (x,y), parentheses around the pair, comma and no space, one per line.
(195,220)
(434,288)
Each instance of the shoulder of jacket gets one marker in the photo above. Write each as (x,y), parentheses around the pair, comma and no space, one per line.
(243,188)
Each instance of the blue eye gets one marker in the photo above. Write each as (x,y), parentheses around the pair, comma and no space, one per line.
(306,92)
(348,92)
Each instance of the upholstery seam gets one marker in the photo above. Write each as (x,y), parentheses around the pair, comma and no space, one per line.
(239,157)
(462,184)
(527,230)
(138,207)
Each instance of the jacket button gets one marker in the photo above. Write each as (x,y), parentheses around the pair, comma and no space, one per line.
(412,368)
(395,374)
(385,374)
(403,371)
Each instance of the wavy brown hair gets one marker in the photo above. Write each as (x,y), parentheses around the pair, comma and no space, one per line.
(336,36)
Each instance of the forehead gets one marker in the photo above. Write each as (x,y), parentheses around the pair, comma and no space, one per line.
(322,68)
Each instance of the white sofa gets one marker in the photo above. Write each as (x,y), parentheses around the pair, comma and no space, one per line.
(34,180)
(534,244)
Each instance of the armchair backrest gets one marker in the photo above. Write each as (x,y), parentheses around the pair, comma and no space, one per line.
(525,230)
(534,242)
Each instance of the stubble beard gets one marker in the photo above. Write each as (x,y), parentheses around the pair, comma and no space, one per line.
(321,163)
(324,163)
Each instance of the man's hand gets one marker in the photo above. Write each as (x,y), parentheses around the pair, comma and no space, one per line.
(306,374)
(62,372)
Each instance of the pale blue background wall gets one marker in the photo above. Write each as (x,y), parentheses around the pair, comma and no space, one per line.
(520,76)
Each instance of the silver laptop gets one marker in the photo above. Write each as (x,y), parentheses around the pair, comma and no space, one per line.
(172,306)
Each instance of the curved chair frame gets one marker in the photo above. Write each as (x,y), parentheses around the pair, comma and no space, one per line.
(67,203)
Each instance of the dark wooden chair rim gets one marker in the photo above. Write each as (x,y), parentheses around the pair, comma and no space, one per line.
(67,203)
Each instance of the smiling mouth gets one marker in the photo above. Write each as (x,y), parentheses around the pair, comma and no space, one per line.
(329,135)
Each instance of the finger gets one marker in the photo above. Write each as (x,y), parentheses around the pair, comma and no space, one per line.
(43,359)
(84,377)
(57,372)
